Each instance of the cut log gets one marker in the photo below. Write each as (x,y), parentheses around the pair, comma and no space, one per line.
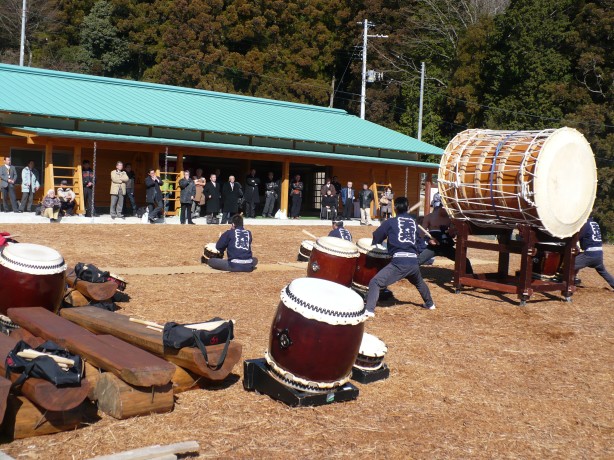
(40,391)
(92,375)
(121,401)
(106,322)
(5,388)
(151,452)
(93,291)
(185,380)
(29,338)
(23,419)
(131,364)
(75,299)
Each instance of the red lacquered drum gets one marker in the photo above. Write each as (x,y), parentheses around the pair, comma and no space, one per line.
(304,251)
(31,276)
(372,259)
(316,335)
(333,259)
(547,261)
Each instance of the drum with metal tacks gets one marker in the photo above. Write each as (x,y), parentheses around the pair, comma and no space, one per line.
(333,259)
(371,260)
(371,354)
(304,251)
(210,252)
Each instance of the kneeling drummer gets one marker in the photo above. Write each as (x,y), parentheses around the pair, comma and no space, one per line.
(238,242)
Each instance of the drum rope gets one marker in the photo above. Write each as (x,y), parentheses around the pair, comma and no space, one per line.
(492,174)
(92,207)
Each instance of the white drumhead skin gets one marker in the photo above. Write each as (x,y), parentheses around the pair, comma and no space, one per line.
(211,247)
(324,301)
(32,258)
(336,246)
(308,244)
(372,346)
(565,182)
(365,245)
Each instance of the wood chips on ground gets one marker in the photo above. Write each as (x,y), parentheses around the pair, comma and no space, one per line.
(479,377)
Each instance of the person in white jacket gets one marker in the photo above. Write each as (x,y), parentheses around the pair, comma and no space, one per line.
(29,186)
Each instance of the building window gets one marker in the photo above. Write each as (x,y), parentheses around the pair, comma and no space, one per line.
(319,179)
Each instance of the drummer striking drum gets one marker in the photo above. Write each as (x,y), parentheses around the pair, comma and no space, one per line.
(401,233)
(339,232)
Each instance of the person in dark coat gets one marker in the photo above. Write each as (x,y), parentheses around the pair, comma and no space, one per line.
(252,195)
(213,195)
(296,192)
(188,190)
(271,194)
(153,196)
(231,193)
(329,206)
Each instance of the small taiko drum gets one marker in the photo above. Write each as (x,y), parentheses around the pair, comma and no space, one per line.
(333,259)
(371,260)
(121,282)
(304,251)
(545,179)
(316,335)
(371,353)
(210,252)
(547,261)
(31,276)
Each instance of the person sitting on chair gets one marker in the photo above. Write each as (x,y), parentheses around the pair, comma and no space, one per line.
(329,206)
(67,199)
(592,255)
(339,232)
(238,241)
(51,206)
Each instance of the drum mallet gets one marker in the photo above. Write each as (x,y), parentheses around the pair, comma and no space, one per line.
(426,232)
(309,234)
(414,207)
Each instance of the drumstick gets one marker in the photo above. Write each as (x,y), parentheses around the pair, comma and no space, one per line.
(147,323)
(208,326)
(310,234)
(31,354)
(157,329)
(414,207)
(426,232)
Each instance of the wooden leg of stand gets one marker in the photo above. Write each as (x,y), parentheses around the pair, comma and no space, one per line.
(460,264)
(526,263)
(569,275)
(504,257)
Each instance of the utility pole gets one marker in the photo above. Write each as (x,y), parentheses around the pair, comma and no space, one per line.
(421,103)
(23,33)
(365,37)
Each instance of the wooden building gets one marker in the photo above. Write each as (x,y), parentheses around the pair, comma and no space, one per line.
(59,119)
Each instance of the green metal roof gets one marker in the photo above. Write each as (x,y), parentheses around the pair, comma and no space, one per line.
(219,146)
(25,90)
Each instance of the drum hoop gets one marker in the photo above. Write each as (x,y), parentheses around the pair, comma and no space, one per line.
(335,252)
(299,383)
(31,269)
(310,311)
(359,287)
(379,364)
(118,278)
(381,253)
(303,245)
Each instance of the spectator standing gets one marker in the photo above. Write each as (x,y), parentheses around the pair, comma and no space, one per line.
(186,196)
(296,192)
(347,198)
(119,179)
(8,176)
(130,187)
(326,187)
(89,180)
(199,198)
(213,195)
(29,186)
(365,197)
(271,193)
(385,203)
(153,196)
(67,199)
(252,194)
(337,185)
(231,194)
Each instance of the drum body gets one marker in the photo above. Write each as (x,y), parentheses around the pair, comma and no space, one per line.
(333,259)
(545,179)
(547,262)
(210,252)
(371,260)
(32,276)
(304,251)
(371,354)
(316,335)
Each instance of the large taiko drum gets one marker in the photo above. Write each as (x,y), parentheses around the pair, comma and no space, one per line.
(315,335)
(546,179)
(371,260)
(333,259)
(31,275)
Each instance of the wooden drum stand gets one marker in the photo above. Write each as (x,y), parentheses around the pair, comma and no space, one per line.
(522,283)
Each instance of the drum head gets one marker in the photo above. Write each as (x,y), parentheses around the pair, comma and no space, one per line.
(365,245)
(336,246)
(211,248)
(565,182)
(307,244)
(324,301)
(372,346)
(32,258)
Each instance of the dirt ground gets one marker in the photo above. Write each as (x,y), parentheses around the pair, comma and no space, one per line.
(479,377)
